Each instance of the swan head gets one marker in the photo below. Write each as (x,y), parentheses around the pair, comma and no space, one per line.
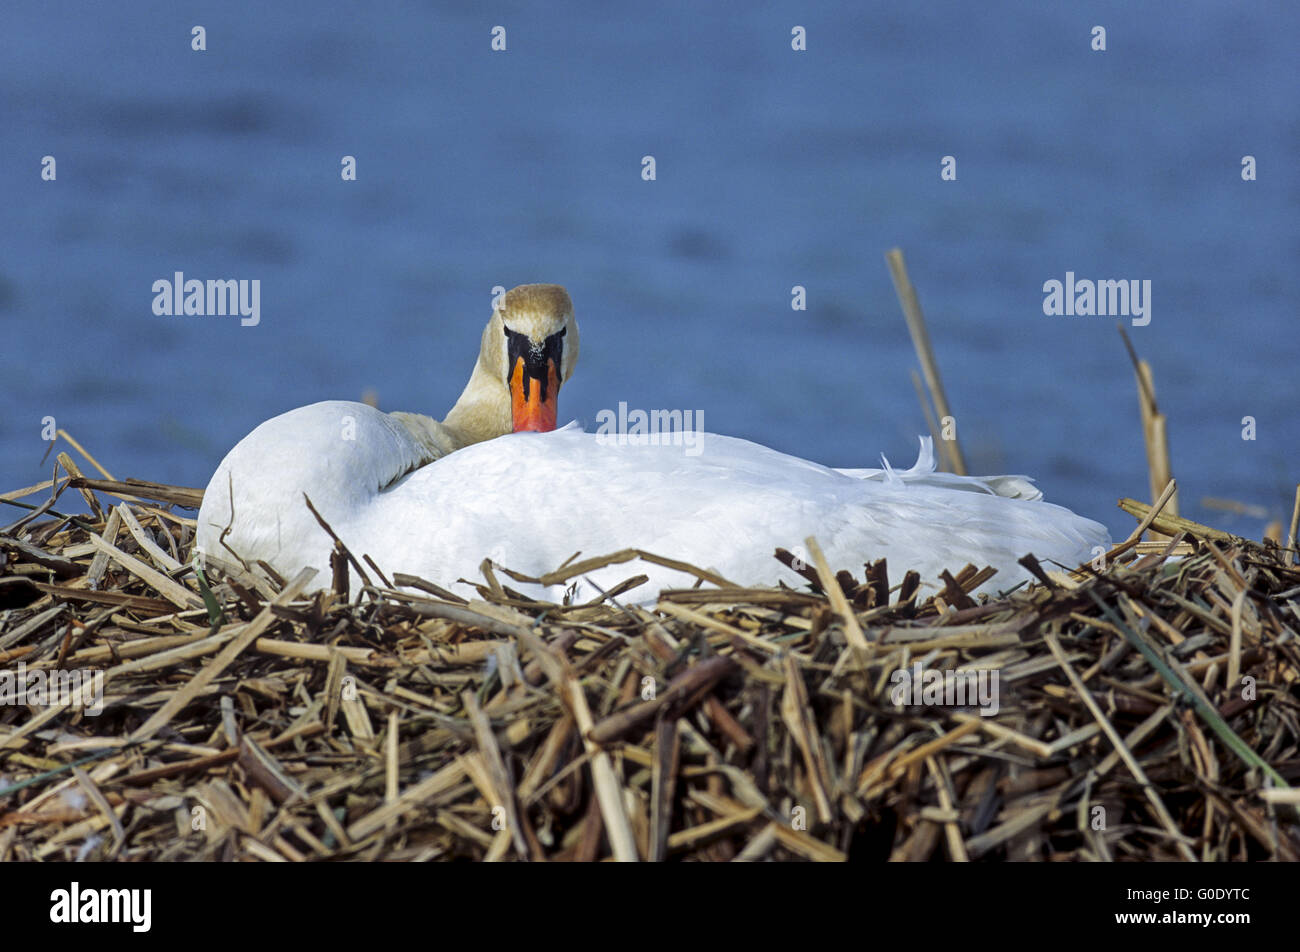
(531,344)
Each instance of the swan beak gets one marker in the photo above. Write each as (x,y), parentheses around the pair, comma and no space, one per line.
(534,400)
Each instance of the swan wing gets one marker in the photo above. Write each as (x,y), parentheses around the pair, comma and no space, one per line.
(529,501)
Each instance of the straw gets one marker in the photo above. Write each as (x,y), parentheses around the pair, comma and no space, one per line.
(912,313)
(725,723)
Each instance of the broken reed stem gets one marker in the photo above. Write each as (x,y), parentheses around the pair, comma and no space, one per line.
(609,793)
(1172,525)
(926,409)
(67,438)
(1155,436)
(1146,411)
(1295,523)
(924,353)
(1135,508)
(852,630)
(1234,646)
(1157,446)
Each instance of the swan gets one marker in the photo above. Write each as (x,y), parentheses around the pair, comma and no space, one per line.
(530,500)
(346,454)
(528,350)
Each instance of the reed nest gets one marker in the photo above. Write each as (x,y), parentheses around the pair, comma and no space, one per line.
(1147,708)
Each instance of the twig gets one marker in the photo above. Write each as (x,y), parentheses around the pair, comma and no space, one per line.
(924,352)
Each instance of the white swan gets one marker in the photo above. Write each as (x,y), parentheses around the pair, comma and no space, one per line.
(343,454)
(528,350)
(530,501)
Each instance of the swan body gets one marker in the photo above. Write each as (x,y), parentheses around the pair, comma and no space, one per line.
(344,453)
(530,501)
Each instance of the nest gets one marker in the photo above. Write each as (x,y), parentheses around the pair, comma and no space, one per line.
(1146,707)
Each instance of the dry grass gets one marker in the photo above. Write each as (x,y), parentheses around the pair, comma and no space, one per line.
(257,720)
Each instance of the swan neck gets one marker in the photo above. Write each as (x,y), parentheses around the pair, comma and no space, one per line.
(483,410)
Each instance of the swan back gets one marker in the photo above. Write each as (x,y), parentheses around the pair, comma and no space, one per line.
(339,452)
(530,501)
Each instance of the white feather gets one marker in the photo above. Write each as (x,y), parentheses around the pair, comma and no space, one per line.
(530,500)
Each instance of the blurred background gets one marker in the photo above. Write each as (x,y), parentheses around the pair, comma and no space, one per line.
(775,168)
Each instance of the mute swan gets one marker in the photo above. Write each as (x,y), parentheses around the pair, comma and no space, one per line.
(530,501)
(343,452)
(528,350)
(392,488)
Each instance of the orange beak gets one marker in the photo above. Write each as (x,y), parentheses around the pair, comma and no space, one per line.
(533,402)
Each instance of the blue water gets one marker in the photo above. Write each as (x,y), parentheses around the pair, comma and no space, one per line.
(775,168)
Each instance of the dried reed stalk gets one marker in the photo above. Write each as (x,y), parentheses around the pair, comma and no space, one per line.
(727,723)
(907,299)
